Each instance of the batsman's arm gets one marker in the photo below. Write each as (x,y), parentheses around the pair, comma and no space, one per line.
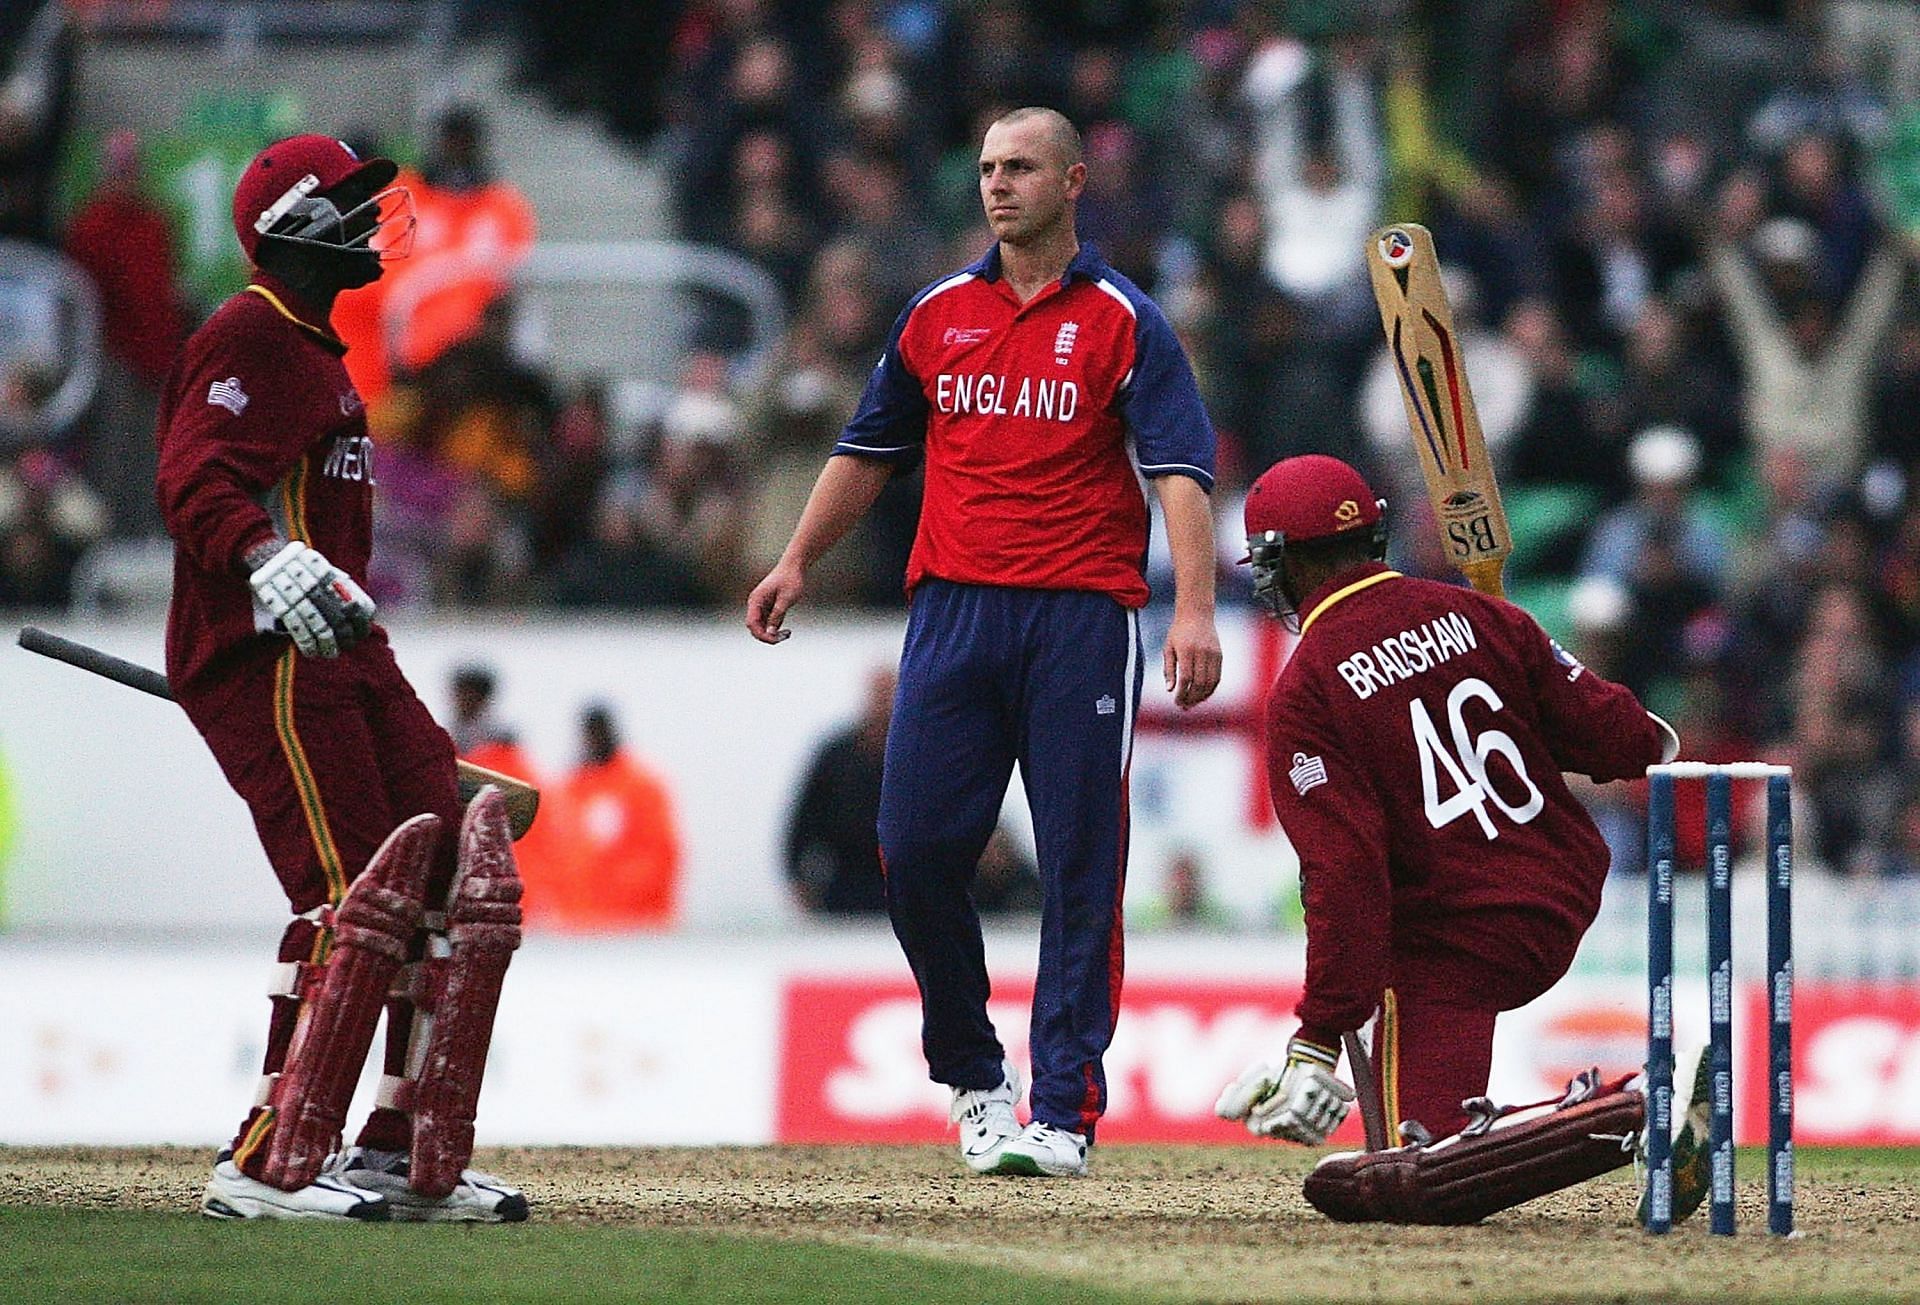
(847,487)
(522,798)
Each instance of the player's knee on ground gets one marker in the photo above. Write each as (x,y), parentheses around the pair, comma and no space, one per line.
(1494,1164)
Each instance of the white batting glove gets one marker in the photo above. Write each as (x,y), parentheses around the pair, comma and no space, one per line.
(1300,1100)
(319,606)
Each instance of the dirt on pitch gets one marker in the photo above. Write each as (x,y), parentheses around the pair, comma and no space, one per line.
(1195,1223)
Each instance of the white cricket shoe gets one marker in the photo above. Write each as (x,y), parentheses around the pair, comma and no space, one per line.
(986,1119)
(479,1198)
(1043,1151)
(233,1195)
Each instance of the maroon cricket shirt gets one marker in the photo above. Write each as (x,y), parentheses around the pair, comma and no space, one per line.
(1414,747)
(261,432)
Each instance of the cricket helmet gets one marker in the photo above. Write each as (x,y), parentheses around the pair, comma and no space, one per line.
(315,192)
(1303,502)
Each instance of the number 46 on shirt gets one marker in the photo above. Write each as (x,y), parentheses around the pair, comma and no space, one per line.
(1465,762)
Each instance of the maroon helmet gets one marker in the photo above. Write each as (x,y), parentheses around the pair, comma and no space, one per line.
(315,192)
(1303,502)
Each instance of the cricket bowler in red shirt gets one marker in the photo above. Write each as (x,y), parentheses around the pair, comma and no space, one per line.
(265,482)
(1043,391)
(1415,744)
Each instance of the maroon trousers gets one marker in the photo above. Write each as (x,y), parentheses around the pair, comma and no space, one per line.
(1433,1035)
(329,756)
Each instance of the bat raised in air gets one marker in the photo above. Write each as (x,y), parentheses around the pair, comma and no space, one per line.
(1433,382)
(523,799)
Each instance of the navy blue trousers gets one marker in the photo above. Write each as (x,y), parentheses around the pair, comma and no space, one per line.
(989,677)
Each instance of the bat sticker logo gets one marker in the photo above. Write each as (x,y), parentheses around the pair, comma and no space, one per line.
(1463,500)
(1396,248)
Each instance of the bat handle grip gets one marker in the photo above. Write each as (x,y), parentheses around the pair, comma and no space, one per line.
(1484,575)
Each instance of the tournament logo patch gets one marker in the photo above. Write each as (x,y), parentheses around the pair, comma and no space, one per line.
(1308,772)
(965,334)
(1575,667)
(228,394)
(1396,247)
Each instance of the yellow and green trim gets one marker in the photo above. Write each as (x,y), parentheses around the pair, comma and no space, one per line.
(304,782)
(1366,582)
(257,1132)
(293,502)
(1390,1062)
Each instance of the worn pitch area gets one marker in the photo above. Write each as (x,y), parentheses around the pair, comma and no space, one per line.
(1198,1223)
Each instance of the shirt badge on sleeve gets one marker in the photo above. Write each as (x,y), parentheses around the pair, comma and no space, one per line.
(228,394)
(1308,772)
(1573,664)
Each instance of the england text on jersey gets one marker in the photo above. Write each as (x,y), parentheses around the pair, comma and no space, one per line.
(985,392)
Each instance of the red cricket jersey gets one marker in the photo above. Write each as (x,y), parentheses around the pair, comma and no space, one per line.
(1415,743)
(261,432)
(1031,418)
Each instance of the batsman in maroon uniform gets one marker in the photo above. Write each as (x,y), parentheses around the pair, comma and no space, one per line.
(400,893)
(1415,744)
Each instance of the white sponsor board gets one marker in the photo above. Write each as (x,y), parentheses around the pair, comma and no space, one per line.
(815,1036)
(595,1044)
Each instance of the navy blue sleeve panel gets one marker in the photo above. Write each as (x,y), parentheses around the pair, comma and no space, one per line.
(1160,401)
(890,425)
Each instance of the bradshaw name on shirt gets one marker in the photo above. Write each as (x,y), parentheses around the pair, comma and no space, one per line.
(1404,655)
(985,393)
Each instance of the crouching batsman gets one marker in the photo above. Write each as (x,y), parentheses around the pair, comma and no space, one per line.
(401,899)
(1415,744)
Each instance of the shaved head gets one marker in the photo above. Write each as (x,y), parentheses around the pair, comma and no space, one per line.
(1061,134)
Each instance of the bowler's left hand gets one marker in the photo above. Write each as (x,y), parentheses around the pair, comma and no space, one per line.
(1192,658)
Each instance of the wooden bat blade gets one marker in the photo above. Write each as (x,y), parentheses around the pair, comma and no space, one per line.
(523,799)
(1427,361)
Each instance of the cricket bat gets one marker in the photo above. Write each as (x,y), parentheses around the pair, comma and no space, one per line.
(1433,382)
(522,798)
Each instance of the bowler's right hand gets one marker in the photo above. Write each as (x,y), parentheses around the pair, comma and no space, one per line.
(768,603)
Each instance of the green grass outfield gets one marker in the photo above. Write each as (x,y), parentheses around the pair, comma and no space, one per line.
(882,1224)
(90,1255)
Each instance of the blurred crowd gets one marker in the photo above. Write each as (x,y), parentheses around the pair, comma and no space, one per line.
(1679,237)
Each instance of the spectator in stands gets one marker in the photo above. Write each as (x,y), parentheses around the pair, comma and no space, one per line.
(481,737)
(123,241)
(38,55)
(625,869)
(1184,902)
(1842,735)
(832,849)
(1807,363)
(473,429)
(473,228)
(48,518)
(693,507)
(1670,556)
(1897,855)
(1664,463)
(577,463)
